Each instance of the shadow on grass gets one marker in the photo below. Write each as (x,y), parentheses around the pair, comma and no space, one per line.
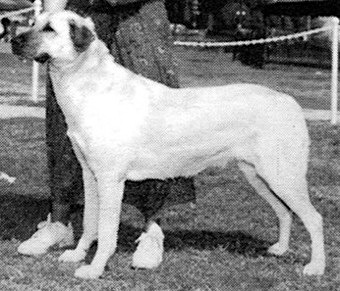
(232,241)
(20,215)
(235,242)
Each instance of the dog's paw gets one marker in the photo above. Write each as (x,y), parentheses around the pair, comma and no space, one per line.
(72,256)
(277,249)
(88,272)
(314,269)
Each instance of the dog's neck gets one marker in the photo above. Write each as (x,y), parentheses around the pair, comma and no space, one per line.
(66,76)
(61,68)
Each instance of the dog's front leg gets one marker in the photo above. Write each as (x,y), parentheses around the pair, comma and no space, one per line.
(110,200)
(91,209)
(90,220)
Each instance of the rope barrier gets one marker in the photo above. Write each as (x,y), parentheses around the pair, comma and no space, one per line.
(18,12)
(254,41)
(335,28)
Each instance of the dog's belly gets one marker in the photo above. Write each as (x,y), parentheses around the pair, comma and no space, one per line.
(189,159)
(170,166)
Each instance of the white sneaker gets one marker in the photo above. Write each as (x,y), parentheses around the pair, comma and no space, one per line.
(48,234)
(149,252)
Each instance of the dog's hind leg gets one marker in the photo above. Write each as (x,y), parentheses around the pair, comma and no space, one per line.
(288,182)
(282,212)
(297,199)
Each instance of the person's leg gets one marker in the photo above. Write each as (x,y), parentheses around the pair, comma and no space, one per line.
(65,184)
(65,175)
(149,197)
(142,43)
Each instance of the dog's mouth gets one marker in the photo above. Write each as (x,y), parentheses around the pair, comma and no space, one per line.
(22,55)
(42,58)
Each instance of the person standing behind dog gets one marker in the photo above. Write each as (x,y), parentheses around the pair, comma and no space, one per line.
(138,36)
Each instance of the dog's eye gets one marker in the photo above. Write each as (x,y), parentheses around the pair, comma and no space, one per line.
(48,28)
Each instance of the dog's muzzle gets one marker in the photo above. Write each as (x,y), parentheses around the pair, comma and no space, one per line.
(19,43)
(25,45)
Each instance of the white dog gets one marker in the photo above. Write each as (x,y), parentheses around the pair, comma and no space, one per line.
(124,126)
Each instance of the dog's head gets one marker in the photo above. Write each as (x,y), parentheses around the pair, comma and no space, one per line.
(60,36)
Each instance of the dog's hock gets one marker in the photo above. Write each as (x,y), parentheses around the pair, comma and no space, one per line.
(81,36)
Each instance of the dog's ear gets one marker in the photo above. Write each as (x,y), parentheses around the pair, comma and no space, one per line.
(81,36)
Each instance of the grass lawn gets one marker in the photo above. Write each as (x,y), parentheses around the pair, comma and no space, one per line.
(220,243)
(217,245)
